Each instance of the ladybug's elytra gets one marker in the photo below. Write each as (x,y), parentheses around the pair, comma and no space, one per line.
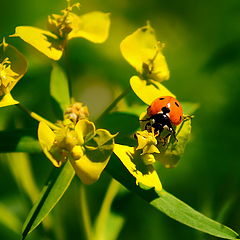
(164,113)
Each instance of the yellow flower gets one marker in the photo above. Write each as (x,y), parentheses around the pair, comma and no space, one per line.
(93,26)
(88,149)
(142,50)
(12,67)
(145,174)
(146,142)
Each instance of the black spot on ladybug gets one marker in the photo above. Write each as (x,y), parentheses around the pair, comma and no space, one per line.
(144,29)
(161,98)
(177,104)
(165,110)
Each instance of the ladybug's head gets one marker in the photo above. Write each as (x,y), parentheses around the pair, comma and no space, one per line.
(165,110)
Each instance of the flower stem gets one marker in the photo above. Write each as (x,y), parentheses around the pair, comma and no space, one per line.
(113,104)
(67,66)
(85,213)
(105,209)
(36,116)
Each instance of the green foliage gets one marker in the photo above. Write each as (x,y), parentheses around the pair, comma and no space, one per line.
(59,90)
(181,212)
(52,192)
(19,141)
(112,139)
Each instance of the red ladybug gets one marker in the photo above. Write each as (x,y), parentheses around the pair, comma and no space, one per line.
(164,113)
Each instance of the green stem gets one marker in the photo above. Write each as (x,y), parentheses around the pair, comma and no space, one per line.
(105,209)
(67,66)
(113,104)
(85,213)
(36,116)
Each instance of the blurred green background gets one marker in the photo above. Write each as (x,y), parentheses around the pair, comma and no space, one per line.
(203,53)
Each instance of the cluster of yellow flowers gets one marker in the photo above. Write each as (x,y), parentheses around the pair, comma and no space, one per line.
(76,138)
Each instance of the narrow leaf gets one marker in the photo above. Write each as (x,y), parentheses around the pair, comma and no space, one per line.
(183,213)
(116,221)
(9,219)
(170,205)
(52,192)
(59,89)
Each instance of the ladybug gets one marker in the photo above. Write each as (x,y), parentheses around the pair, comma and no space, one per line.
(164,113)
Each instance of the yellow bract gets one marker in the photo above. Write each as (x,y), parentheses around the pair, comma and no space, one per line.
(142,50)
(93,26)
(46,139)
(85,130)
(144,174)
(12,68)
(148,90)
(44,41)
(88,149)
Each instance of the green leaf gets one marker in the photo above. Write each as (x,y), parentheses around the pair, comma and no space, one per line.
(125,123)
(107,217)
(52,192)
(116,221)
(19,141)
(20,166)
(171,156)
(59,90)
(8,219)
(168,204)
(183,213)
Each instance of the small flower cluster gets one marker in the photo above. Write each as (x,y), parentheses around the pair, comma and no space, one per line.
(142,50)
(93,26)
(12,68)
(77,139)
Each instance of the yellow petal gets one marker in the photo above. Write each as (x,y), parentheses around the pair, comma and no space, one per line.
(142,50)
(87,169)
(85,130)
(43,41)
(90,166)
(46,139)
(149,90)
(93,26)
(144,174)
(7,100)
